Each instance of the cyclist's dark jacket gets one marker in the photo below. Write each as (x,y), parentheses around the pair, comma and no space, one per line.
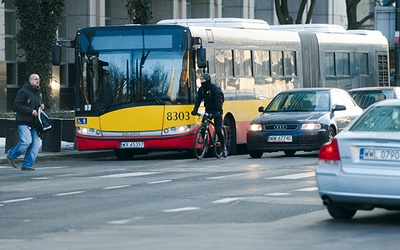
(213,98)
(28,99)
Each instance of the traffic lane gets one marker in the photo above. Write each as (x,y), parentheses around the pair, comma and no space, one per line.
(306,231)
(96,190)
(206,215)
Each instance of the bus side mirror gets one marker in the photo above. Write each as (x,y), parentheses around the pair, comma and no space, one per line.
(56,55)
(201,58)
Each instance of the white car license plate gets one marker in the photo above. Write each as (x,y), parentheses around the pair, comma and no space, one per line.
(379,154)
(132,144)
(280,138)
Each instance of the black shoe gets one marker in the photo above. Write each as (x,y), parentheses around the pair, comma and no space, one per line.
(11,162)
(29,169)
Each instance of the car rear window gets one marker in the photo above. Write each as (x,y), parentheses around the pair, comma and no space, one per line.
(379,119)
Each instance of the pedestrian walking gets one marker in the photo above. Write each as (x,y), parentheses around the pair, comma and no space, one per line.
(26,104)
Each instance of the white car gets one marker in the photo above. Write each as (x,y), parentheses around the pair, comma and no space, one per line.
(360,168)
(369,95)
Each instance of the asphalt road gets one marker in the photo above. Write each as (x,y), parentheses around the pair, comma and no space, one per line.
(169,201)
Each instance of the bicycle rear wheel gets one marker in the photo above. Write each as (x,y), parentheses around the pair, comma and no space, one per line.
(200,145)
(218,147)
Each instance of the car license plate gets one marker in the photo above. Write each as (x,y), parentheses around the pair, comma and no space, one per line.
(379,154)
(280,138)
(133,144)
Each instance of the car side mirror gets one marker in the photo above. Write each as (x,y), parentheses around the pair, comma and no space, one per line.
(338,107)
(261,109)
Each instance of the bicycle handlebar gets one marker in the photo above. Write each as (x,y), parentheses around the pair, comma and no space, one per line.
(206,116)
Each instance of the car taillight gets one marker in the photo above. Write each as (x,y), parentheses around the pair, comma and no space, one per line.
(329,151)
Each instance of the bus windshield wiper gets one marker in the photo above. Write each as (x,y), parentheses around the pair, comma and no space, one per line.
(149,91)
(113,97)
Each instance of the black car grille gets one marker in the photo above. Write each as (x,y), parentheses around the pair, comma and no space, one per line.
(281,127)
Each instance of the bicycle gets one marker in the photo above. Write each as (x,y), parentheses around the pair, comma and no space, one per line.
(205,139)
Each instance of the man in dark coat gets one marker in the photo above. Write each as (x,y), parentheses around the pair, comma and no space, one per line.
(213,100)
(26,104)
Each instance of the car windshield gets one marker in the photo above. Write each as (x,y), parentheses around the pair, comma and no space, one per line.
(300,101)
(379,119)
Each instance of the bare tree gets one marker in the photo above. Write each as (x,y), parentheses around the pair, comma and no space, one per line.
(282,12)
(139,11)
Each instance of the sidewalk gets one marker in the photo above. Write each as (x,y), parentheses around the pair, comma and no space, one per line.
(67,150)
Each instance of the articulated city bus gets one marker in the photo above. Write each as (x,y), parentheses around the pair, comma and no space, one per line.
(137,83)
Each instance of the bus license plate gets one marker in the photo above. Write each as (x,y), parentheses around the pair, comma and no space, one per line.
(132,144)
(280,138)
(379,154)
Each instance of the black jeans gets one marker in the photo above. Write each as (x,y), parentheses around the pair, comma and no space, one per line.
(218,126)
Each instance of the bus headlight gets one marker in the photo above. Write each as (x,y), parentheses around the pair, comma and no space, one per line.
(255,127)
(178,129)
(88,131)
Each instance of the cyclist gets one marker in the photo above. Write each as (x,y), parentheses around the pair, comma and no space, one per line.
(213,100)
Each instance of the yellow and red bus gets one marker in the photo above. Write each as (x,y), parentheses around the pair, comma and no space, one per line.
(136,84)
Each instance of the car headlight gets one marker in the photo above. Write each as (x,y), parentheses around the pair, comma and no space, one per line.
(311,126)
(255,127)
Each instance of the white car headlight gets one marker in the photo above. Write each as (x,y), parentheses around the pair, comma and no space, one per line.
(311,126)
(255,127)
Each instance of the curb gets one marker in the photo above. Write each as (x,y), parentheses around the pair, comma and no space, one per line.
(43,156)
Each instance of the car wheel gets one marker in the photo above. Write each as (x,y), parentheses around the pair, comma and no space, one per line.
(340,212)
(255,154)
(289,152)
(331,134)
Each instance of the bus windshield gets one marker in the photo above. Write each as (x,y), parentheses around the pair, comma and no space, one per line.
(141,68)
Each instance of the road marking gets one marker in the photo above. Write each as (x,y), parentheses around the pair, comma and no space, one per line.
(226,176)
(227,200)
(126,175)
(115,187)
(70,193)
(7,166)
(293,176)
(40,178)
(277,194)
(54,167)
(119,222)
(309,189)
(181,209)
(158,182)
(17,200)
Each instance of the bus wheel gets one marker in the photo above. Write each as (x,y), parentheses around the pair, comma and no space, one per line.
(230,139)
(123,154)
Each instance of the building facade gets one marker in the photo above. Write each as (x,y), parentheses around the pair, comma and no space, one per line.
(87,13)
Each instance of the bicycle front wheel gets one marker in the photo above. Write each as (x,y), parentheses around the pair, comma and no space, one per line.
(200,145)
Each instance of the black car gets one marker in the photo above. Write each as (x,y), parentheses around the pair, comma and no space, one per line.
(300,120)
